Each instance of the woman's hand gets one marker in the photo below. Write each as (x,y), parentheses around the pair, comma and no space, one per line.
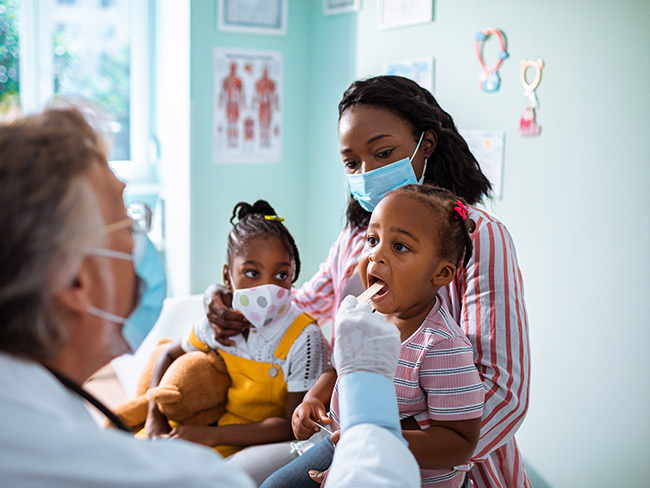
(303,420)
(225,321)
(199,434)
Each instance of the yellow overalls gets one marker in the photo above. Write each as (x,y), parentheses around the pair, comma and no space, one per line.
(258,390)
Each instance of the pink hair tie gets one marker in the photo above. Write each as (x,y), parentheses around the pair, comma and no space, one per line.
(461,210)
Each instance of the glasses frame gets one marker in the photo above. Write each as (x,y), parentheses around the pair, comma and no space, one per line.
(139,219)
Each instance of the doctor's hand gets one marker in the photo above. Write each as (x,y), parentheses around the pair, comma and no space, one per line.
(303,420)
(364,341)
(225,321)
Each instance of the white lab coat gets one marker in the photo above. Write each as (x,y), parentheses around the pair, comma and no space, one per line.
(371,456)
(48,438)
(372,451)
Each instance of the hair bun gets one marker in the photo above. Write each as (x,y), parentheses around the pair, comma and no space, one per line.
(242,210)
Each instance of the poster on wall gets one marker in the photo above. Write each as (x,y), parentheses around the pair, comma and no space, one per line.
(247,103)
(401,13)
(420,70)
(487,146)
(253,16)
(333,7)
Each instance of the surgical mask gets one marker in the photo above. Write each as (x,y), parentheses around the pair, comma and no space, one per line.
(262,305)
(152,289)
(369,188)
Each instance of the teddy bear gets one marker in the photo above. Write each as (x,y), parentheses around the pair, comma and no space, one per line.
(191,392)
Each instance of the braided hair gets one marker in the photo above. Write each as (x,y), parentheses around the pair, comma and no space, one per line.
(455,228)
(451,166)
(259,220)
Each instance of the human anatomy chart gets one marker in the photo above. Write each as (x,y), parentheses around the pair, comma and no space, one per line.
(247,106)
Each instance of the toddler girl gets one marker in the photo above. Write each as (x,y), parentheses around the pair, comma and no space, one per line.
(416,238)
(272,364)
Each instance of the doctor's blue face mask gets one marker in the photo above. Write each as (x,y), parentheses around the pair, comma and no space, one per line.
(369,188)
(152,283)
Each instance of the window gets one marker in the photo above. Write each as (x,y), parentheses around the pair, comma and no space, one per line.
(98,50)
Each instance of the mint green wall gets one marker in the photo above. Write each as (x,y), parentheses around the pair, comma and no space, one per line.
(576,200)
(318,58)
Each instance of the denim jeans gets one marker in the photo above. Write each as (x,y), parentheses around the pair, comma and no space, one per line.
(296,473)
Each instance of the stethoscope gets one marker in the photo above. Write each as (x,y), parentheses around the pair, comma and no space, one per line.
(74,387)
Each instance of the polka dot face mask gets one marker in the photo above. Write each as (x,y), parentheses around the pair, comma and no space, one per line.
(262,305)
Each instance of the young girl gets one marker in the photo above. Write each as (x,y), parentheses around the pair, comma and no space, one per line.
(272,364)
(417,237)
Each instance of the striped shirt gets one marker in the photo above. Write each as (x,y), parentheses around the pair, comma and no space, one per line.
(487,300)
(435,379)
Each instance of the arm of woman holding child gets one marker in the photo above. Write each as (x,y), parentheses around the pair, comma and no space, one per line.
(494,315)
(156,423)
(272,429)
(444,444)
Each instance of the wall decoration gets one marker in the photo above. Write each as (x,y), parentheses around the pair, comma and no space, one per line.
(487,146)
(489,80)
(332,7)
(247,105)
(253,16)
(400,13)
(528,126)
(420,70)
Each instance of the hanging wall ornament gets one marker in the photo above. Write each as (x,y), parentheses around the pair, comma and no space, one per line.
(528,126)
(489,80)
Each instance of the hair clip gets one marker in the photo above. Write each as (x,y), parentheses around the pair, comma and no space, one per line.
(461,210)
(275,218)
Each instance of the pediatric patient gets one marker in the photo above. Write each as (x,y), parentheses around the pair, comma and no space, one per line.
(416,239)
(272,364)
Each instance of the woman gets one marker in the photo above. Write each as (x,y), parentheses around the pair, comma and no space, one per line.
(393,132)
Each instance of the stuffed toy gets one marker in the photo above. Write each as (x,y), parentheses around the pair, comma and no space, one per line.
(191,392)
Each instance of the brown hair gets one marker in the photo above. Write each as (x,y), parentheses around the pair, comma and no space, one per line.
(454,233)
(47,214)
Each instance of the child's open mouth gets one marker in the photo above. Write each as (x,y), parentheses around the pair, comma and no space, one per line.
(374,281)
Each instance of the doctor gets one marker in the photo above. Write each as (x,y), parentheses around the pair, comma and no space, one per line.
(80,284)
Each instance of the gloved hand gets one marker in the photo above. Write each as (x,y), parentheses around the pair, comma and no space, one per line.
(364,341)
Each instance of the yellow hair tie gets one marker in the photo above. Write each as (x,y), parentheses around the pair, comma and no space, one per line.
(274,218)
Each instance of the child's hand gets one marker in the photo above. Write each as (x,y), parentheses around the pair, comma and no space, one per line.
(156,424)
(304,417)
(199,434)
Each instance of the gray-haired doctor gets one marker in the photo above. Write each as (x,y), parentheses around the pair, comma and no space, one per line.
(80,284)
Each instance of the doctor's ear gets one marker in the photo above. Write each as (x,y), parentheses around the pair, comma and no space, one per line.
(444,274)
(429,143)
(74,297)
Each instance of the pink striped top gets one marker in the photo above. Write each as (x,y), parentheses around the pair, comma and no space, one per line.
(435,379)
(487,300)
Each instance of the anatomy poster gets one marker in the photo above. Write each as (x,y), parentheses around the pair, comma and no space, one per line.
(247,106)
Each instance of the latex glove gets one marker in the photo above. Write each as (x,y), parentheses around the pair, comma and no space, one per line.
(364,341)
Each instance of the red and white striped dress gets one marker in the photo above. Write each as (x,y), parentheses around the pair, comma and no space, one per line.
(487,300)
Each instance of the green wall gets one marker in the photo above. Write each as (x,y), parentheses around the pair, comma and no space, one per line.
(576,199)
(306,187)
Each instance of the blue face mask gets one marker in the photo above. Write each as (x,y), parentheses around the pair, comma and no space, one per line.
(152,289)
(369,188)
